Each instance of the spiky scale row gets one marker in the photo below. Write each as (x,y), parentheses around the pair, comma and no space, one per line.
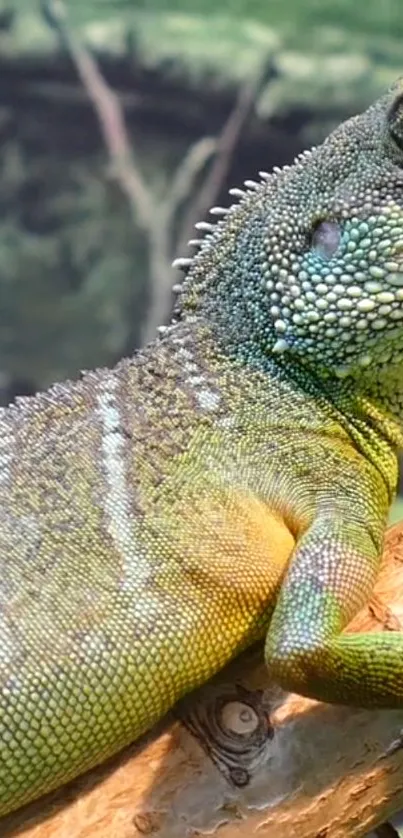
(314,298)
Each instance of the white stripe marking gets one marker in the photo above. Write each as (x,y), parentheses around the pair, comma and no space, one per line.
(7,449)
(116,500)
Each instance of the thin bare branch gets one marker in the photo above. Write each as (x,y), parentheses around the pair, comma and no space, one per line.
(156,217)
(183,180)
(226,145)
(110,115)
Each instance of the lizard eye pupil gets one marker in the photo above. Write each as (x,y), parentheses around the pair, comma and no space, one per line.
(326,239)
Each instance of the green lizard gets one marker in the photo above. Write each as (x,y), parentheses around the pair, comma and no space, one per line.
(231,480)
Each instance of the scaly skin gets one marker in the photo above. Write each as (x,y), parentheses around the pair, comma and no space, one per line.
(230,482)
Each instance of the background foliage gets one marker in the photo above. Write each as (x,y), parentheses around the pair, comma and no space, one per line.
(74,269)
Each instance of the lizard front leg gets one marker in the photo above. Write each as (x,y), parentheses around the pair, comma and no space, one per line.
(330,578)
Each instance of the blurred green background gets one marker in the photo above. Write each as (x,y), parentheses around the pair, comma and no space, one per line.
(80,283)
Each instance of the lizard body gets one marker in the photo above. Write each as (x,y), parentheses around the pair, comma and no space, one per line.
(230,481)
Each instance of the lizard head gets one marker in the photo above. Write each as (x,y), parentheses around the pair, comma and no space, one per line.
(309,263)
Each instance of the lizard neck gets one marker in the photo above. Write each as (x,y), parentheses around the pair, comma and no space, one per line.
(369,409)
(316,306)
(367,397)
(372,411)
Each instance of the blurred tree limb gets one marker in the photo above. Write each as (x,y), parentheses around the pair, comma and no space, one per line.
(157,218)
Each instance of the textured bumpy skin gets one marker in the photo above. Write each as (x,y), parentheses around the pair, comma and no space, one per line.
(229,482)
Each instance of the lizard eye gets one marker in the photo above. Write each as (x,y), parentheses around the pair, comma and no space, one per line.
(395,121)
(326,239)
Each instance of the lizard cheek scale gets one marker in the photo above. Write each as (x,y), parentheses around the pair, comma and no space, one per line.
(229,483)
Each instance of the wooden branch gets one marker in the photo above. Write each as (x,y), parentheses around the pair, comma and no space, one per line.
(184,178)
(161,234)
(246,759)
(146,210)
(155,216)
(109,112)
